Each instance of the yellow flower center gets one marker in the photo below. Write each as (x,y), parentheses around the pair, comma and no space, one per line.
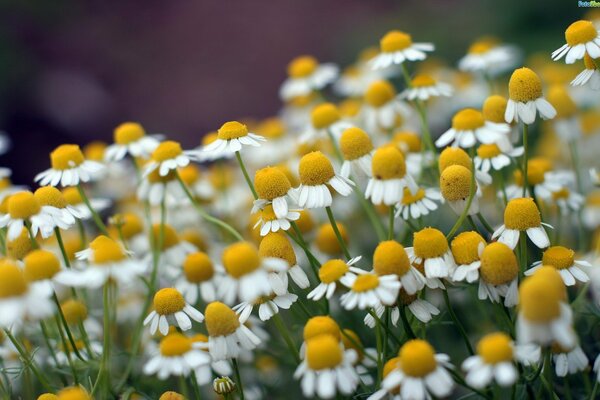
(272,128)
(66,156)
(498,264)
(465,247)
(23,205)
(74,393)
(355,143)
(537,302)
(170,395)
(483,46)
(559,257)
(562,193)
(168,301)
(12,281)
(95,151)
(321,325)
(454,156)
(429,243)
(129,224)
(522,214)
(332,270)
(417,358)
(40,265)
(379,93)
(155,177)
(324,115)
(351,341)
(388,163)
(467,120)
(306,223)
(220,319)
(47,396)
(580,32)
(74,311)
(50,196)
(169,235)
(409,198)
(276,244)
(267,213)
(422,80)
(350,108)
(106,250)
(524,85)
(20,246)
(549,274)
(232,130)
(128,132)
(388,367)
(240,258)
(494,108)
(166,150)
(559,97)
(323,352)
(395,41)
(315,169)
(175,344)
(198,267)
(189,174)
(365,282)
(326,240)
(589,62)
(455,183)
(271,183)
(535,175)
(495,348)
(488,150)
(390,258)
(72,196)
(302,66)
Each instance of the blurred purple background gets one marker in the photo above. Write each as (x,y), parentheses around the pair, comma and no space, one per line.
(70,71)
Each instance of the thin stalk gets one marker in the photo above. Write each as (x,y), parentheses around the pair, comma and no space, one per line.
(594,390)
(465,211)
(421,111)
(67,352)
(525,157)
(246,176)
(500,176)
(378,341)
(406,324)
(61,245)
(338,235)
(195,386)
(285,334)
(95,216)
(183,387)
(103,377)
(63,320)
(28,360)
(51,350)
(34,243)
(388,330)
(238,378)
(523,253)
(485,224)
(457,322)
(391,223)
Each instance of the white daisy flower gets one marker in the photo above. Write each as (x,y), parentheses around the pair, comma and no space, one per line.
(231,137)
(423,310)
(325,123)
(420,204)
(522,215)
(69,168)
(431,249)
(176,356)
(398,47)
(563,259)
(75,201)
(365,358)
(492,157)
(357,150)
(269,222)
(568,361)
(389,179)
(277,246)
(24,209)
(204,373)
(171,308)
(490,57)
(267,306)
(455,186)
(469,127)
(567,200)
(272,187)
(526,98)
(589,74)
(157,189)
(466,250)
(382,109)
(330,273)
(56,207)
(130,138)
(168,156)
(582,37)
(423,87)
(305,75)
(367,290)
(200,278)
(498,274)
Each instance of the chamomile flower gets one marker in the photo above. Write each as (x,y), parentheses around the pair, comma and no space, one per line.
(41,265)
(522,215)
(305,74)
(495,361)
(430,247)
(469,127)
(331,273)
(156,189)
(498,274)
(488,56)
(167,157)
(25,210)
(456,156)
(589,74)
(176,357)
(173,251)
(423,310)
(415,156)
(267,306)
(466,248)
(563,259)
(364,356)
(231,137)
(55,206)
(169,307)
(396,47)
(227,336)
(567,121)
(582,38)
(568,360)
(493,157)
(75,201)
(526,98)
(455,186)
(130,138)
(419,372)
(317,326)
(540,176)
(200,278)
(368,290)
(423,87)
(389,178)
(567,200)
(357,150)
(316,175)
(269,222)
(204,373)
(414,206)
(382,110)
(390,258)
(272,187)
(69,167)
(276,245)
(327,368)
(325,122)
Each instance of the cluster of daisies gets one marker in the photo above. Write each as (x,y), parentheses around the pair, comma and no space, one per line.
(400,230)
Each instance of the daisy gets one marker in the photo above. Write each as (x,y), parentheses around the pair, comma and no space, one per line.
(106,260)
(41,266)
(224,386)
(495,361)
(397,47)
(75,201)
(582,38)
(468,127)
(382,110)
(227,336)
(488,56)
(423,87)
(522,215)
(455,186)
(330,273)
(526,98)
(563,259)
(418,372)
(269,222)
(357,150)
(231,137)
(539,176)
(367,290)
(168,156)
(466,248)
(567,200)
(157,189)
(267,306)
(492,157)
(423,310)
(305,74)
(325,122)
(430,247)
(173,251)
(327,369)
(568,361)
(278,246)
(415,155)
(317,326)
(169,305)
(6,186)
(55,206)
(176,357)
(204,373)
(272,187)
(25,210)
(389,178)
(364,359)
(417,205)
(589,74)
(69,167)
(316,173)
(498,274)
(390,258)
(130,138)
(456,156)
(200,278)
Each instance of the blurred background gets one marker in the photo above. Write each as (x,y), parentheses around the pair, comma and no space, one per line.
(70,71)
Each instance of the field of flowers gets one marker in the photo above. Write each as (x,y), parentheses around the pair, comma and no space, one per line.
(401,229)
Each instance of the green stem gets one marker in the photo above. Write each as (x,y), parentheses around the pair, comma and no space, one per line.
(51,351)
(103,377)
(34,243)
(67,351)
(338,235)
(500,176)
(63,320)
(523,253)
(61,245)
(525,157)
(195,386)
(594,390)
(407,328)
(465,211)
(183,387)
(238,378)
(28,361)
(485,224)
(286,337)
(246,176)
(95,216)
(391,223)
(371,213)
(457,322)
(421,111)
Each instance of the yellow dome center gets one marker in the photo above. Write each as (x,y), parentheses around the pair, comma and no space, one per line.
(522,214)
(465,247)
(467,120)
(74,311)
(454,156)
(390,258)
(47,396)
(321,325)
(66,156)
(232,130)
(23,205)
(395,41)
(168,301)
(482,46)
(40,265)
(12,281)
(198,267)
(189,174)
(559,97)
(365,282)
(429,243)
(417,358)
(95,151)
(351,341)
(589,62)
(422,80)
(324,115)
(166,150)
(559,257)
(553,279)
(355,143)
(175,344)
(408,142)
(488,150)
(326,240)
(499,264)
(272,128)
(379,93)
(524,85)
(455,183)
(276,244)
(494,108)
(241,258)
(495,348)
(74,393)
(128,132)
(271,183)
(301,67)
(409,198)
(315,169)
(72,196)
(170,395)
(332,270)
(220,319)
(20,246)
(50,196)
(535,175)
(129,224)
(169,235)
(323,352)
(267,213)
(388,163)
(562,193)
(106,250)
(537,302)
(580,32)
